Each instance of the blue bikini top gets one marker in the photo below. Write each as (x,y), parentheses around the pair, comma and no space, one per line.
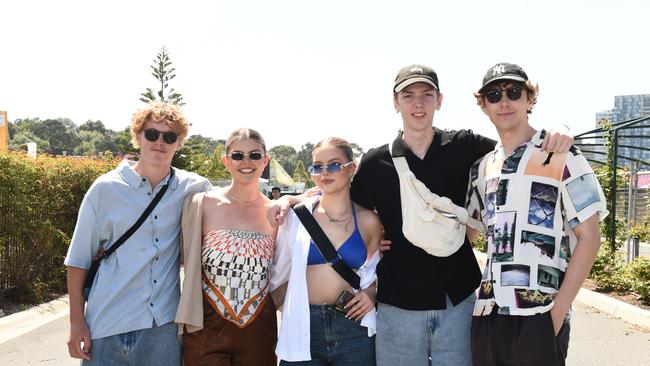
(353,251)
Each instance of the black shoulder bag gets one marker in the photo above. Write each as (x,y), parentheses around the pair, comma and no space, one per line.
(330,254)
(103,254)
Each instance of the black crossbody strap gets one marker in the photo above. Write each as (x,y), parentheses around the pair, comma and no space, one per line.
(325,246)
(145,214)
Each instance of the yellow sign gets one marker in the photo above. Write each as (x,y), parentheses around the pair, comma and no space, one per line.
(278,175)
(4,132)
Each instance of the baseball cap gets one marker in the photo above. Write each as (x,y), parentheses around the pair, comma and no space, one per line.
(503,71)
(415,74)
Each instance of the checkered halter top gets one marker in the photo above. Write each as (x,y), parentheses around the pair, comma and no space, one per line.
(235,269)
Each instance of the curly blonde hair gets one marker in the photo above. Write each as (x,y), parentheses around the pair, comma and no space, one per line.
(161,112)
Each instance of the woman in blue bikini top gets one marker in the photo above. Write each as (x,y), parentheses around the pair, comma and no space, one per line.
(338,337)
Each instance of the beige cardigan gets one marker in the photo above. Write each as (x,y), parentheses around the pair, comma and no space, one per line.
(189,314)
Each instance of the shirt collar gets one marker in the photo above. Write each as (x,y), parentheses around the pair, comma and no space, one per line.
(536,140)
(440,138)
(133,179)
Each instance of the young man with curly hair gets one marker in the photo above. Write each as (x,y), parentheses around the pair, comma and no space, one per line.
(129,317)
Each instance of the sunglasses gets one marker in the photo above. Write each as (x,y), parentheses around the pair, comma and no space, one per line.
(331,168)
(513,93)
(151,134)
(253,156)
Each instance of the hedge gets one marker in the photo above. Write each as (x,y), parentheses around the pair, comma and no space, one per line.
(39,201)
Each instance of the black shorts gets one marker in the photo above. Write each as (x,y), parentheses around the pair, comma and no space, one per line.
(518,340)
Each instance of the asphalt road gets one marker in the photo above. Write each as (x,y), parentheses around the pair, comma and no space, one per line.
(596,339)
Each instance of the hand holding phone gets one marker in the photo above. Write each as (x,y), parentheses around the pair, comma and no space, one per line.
(342,300)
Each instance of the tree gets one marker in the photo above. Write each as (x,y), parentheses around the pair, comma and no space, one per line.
(606,176)
(304,154)
(61,133)
(12,130)
(164,73)
(97,126)
(209,166)
(300,173)
(21,138)
(122,141)
(286,156)
(356,150)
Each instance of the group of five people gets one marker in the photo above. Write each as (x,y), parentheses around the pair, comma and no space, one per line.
(244,256)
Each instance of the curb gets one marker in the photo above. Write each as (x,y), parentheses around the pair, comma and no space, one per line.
(616,308)
(17,324)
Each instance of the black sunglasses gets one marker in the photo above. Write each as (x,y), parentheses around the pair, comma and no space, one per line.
(513,93)
(151,134)
(253,155)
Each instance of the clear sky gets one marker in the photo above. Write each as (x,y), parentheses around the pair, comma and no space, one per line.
(303,70)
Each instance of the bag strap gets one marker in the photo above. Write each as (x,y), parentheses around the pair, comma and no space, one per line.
(326,247)
(399,160)
(136,226)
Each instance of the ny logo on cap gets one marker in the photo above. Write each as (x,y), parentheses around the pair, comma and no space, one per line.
(498,70)
(417,69)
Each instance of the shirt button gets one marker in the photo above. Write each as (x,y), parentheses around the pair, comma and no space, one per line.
(156,217)
(144,179)
(154,281)
(156,239)
(151,304)
(156,258)
(148,193)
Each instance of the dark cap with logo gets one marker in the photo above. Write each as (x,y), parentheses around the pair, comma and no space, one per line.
(415,74)
(503,71)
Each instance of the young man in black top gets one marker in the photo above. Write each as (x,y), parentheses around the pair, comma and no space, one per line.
(425,302)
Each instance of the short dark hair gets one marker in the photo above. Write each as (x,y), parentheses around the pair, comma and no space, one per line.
(275,189)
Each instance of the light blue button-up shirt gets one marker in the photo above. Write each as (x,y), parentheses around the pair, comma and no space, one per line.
(139,283)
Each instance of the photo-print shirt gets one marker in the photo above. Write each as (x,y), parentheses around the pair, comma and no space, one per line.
(529,203)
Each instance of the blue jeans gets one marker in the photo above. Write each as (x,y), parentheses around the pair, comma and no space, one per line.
(157,346)
(425,337)
(336,340)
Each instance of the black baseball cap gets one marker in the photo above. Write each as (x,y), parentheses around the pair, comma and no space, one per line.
(503,71)
(415,74)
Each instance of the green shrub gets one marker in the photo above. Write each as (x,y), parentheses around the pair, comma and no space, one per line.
(480,243)
(638,273)
(608,271)
(39,201)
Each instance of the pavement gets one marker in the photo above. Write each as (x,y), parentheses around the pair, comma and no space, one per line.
(17,324)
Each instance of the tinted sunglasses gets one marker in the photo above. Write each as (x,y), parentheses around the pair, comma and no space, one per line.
(331,168)
(253,156)
(513,93)
(151,134)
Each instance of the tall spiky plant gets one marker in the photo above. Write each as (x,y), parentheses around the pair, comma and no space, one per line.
(164,73)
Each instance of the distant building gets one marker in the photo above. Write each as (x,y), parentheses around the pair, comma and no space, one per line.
(628,107)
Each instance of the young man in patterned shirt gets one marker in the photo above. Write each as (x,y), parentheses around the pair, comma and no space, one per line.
(540,214)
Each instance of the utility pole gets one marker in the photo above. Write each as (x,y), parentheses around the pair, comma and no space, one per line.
(632,241)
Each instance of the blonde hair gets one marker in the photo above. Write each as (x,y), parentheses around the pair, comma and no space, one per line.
(338,143)
(245,134)
(532,91)
(161,112)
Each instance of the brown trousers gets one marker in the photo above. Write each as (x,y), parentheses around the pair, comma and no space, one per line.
(222,343)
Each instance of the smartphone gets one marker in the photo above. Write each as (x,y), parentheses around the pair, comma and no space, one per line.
(342,300)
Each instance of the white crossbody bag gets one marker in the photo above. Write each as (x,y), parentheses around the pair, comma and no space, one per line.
(431,222)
